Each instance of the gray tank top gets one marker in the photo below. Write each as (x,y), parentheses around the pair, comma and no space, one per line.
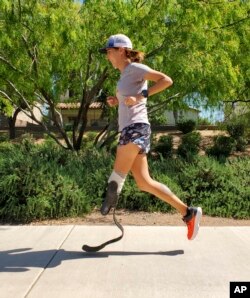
(131,83)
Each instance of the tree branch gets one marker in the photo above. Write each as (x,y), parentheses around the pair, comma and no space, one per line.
(158,106)
(58,124)
(33,56)
(140,5)
(21,96)
(231,24)
(32,116)
(10,64)
(237,100)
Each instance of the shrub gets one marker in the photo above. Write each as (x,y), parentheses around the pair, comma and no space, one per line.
(189,146)
(238,131)
(186,126)
(164,146)
(217,187)
(46,181)
(90,168)
(223,147)
(4,137)
(204,121)
(241,144)
(68,127)
(33,184)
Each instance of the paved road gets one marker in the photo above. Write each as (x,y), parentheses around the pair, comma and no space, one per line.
(149,262)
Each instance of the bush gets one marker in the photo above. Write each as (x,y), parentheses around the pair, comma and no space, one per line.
(46,181)
(164,146)
(241,144)
(34,186)
(68,127)
(4,137)
(186,126)
(217,187)
(204,121)
(223,147)
(190,145)
(238,132)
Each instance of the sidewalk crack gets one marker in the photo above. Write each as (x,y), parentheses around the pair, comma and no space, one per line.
(49,262)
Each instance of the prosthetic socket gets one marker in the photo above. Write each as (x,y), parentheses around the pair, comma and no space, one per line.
(115,184)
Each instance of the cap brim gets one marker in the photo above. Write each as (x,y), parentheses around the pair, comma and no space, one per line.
(103,50)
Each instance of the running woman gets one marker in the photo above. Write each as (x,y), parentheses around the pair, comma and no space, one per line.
(131,96)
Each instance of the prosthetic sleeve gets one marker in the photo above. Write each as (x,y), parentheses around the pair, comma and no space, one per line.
(119,178)
(115,184)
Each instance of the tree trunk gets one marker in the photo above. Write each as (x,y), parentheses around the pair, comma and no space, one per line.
(175,113)
(12,124)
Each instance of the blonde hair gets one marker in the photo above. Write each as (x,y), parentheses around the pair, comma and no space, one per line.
(134,56)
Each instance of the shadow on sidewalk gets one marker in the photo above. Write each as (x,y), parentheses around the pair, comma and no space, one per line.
(20,260)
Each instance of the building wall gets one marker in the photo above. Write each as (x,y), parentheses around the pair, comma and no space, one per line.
(182,115)
(23,117)
(93,116)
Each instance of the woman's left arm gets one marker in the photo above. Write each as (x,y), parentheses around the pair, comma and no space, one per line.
(161,80)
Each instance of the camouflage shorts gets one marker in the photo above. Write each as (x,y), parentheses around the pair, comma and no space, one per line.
(137,133)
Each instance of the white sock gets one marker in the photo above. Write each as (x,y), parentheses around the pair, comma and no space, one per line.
(119,178)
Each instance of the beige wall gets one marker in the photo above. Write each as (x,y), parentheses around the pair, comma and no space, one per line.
(23,117)
(93,115)
(182,115)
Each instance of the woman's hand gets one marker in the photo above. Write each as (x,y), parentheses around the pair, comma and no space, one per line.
(130,101)
(112,101)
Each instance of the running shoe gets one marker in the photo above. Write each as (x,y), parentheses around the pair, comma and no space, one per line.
(192,220)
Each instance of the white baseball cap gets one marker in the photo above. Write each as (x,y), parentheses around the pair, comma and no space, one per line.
(117,41)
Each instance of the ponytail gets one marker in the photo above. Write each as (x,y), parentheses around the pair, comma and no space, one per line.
(134,56)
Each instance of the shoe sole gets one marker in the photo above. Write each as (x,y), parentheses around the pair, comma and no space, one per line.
(197,223)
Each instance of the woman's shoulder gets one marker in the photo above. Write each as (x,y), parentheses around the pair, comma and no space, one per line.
(140,66)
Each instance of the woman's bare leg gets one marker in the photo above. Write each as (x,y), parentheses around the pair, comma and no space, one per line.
(146,183)
(125,157)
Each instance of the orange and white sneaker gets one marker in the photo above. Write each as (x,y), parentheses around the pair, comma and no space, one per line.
(192,219)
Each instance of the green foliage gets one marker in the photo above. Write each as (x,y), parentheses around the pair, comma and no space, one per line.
(45,181)
(238,132)
(190,145)
(217,187)
(164,146)
(3,137)
(223,147)
(34,186)
(49,47)
(5,106)
(204,121)
(186,126)
(241,144)
(91,170)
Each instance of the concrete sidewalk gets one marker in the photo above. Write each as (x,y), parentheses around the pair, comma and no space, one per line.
(149,262)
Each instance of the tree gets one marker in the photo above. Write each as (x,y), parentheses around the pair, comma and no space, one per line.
(43,55)
(49,47)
